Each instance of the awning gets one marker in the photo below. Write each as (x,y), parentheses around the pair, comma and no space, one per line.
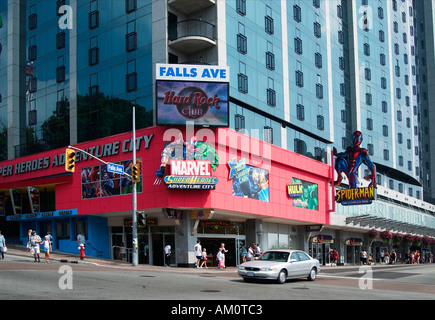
(43,215)
(375,222)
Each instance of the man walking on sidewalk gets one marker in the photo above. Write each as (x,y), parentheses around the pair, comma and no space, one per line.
(2,246)
(35,240)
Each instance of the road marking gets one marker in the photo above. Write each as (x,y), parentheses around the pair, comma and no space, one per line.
(344,277)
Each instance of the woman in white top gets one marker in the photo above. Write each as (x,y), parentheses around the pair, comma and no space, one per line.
(249,254)
(47,248)
(204,258)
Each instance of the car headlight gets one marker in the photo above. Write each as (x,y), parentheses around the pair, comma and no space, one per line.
(268,269)
(241,268)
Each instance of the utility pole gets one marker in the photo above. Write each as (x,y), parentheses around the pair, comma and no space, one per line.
(69,155)
(134,231)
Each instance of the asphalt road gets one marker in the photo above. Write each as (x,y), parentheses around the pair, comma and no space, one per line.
(21,278)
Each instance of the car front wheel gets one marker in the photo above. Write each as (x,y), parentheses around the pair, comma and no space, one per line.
(282,276)
(312,275)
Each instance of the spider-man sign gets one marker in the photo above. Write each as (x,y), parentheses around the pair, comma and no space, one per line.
(349,161)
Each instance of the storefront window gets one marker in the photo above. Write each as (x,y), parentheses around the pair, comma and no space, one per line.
(293,242)
(236,228)
(272,239)
(62,230)
(79,226)
(213,230)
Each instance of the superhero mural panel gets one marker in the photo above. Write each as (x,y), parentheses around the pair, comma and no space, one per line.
(248,181)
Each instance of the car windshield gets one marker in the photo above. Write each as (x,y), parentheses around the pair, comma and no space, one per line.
(274,256)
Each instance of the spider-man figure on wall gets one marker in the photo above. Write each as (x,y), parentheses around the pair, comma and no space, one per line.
(349,161)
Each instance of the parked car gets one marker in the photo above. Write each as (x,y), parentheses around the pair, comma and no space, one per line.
(280,265)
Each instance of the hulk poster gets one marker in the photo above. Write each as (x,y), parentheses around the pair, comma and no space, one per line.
(303,194)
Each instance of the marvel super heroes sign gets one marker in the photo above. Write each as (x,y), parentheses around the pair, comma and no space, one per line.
(191,174)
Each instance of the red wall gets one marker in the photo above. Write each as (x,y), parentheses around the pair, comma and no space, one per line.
(284,166)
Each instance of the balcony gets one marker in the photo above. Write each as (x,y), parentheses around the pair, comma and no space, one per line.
(192,35)
(190,6)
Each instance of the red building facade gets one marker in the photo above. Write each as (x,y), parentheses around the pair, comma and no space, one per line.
(254,183)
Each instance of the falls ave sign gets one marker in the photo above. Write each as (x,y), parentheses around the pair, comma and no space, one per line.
(115,168)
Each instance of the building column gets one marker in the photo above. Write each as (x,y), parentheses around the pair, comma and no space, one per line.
(254,232)
(16,76)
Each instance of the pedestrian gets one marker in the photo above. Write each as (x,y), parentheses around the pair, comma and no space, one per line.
(363,257)
(47,248)
(81,240)
(223,251)
(167,251)
(29,234)
(2,246)
(335,256)
(249,254)
(204,258)
(35,240)
(382,256)
(393,257)
(257,251)
(50,237)
(123,252)
(387,257)
(198,253)
(243,253)
(370,259)
(219,259)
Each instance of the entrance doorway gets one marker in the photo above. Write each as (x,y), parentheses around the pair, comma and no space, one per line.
(321,252)
(159,241)
(212,246)
(353,254)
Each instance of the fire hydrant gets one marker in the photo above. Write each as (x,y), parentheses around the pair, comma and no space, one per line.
(82,251)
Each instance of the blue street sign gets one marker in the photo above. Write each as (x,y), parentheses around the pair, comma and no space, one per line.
(115,168)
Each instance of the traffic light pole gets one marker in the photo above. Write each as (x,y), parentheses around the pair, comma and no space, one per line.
(134,231)
(92,156)
(134,227)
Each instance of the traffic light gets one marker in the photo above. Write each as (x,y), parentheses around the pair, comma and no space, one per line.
(70,160)
(141,218)
(135,172)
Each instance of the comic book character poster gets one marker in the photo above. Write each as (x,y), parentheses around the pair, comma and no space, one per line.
(248,181)
(98,182)
(33,194)
(126,183)
(16,199)
(304,194)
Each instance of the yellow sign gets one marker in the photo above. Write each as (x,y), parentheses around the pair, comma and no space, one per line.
(295,189)
(356,196)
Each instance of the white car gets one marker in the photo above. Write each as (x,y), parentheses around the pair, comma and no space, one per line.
(280,265)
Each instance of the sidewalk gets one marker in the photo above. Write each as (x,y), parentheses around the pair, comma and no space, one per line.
(70,258)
